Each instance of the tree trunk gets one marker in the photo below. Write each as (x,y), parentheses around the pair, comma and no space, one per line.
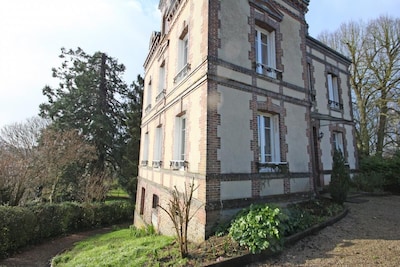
(381,125)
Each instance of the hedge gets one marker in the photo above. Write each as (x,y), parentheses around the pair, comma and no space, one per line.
(21,226)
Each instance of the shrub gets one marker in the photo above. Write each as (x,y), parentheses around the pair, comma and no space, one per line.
(257,228)
(294,220)
(369,181)
(17,226)
(20,226)
(379,173)
(340,178)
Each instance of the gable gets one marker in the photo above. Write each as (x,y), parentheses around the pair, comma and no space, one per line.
(268,7)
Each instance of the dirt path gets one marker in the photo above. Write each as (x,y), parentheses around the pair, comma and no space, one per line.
(368,236)
(41,255)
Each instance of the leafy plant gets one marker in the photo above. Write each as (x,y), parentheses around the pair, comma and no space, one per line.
(257,228)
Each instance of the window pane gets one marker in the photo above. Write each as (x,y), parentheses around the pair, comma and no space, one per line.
(267,141)
(264,39)
(185,52)
(267,122)
(183,133)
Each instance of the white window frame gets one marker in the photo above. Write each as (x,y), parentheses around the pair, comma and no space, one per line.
(158,145)
(183,52)
(161,82)
(148,96)
(146,142)
(267,68)
(338,141)
(180,138)
(161,77)
(333,91)
(273,140)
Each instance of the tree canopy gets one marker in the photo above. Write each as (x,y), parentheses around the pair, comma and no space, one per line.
(93,99)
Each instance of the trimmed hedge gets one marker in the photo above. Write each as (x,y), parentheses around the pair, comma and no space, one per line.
(379,174)
(20,226)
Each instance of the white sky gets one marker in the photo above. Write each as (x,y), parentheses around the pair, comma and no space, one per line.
(33,31)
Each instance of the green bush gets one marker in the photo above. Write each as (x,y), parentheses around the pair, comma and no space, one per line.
(340,179)
(294,220)
(379,173)
(17,226)
(20,226)
(369,182)
(257,228)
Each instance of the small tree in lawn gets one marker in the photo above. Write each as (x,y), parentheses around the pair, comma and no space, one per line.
(179,212)
(340,178)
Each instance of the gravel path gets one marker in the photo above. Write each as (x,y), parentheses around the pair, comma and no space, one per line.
(368,236)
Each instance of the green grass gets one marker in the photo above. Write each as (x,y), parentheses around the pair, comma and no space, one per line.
(118,192)
(121,248)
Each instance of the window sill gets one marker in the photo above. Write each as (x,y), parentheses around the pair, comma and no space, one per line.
(161,95)
(269,71)
(179,165)
(144,163)
(182,73)
(335,105)
(157,164)
(273,167)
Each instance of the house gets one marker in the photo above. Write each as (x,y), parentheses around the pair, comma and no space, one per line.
(241,101)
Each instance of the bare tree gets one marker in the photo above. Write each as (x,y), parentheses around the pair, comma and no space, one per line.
(179,212)
(18,142)
(59,150)
(374,49)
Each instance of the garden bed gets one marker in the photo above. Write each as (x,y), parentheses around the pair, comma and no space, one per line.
(224,251)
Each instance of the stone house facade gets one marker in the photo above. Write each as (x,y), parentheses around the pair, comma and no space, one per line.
(239,99)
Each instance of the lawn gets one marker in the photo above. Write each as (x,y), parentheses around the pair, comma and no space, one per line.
(120,248)
(142,247)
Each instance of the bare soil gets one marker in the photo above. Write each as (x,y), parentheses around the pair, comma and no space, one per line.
(368,236)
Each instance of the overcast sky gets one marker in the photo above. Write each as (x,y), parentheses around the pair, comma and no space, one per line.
(33,31)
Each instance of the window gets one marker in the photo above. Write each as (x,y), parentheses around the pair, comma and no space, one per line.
(142,199)
(161,82)
(183,55)
(179,162)
(338,141)
(310,84)
(333,91)
(265,53)
(145,159)
(268,138)
(158,148)
(180,138)
(155,201)
(183,51)
(148,97)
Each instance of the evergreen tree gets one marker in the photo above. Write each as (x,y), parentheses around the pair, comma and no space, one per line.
(340,178)
(130,157)
(91,98)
